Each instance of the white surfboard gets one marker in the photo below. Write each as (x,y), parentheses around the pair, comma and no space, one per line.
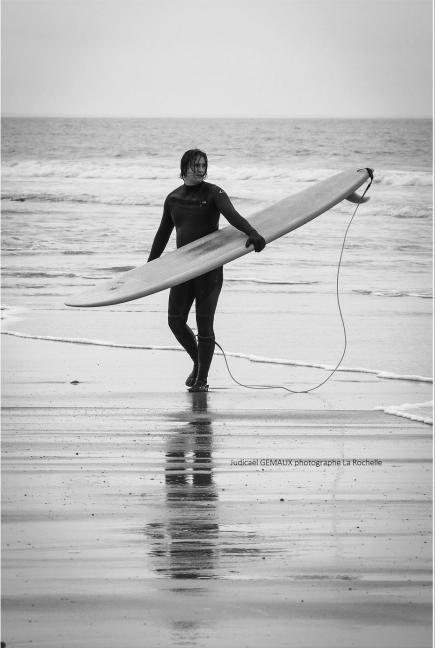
(225,245)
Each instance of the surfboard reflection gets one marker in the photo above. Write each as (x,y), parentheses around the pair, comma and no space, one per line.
(185,544)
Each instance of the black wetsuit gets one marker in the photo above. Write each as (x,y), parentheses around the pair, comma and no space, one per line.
(194,211)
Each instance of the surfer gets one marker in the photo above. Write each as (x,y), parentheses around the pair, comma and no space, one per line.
(194,209)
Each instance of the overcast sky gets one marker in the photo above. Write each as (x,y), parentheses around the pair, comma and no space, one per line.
(288,58)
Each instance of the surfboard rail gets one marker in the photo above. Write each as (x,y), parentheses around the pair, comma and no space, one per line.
(224,245)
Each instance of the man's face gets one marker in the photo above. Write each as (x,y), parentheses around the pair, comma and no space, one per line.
(196,172)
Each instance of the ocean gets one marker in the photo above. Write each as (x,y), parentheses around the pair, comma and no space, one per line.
(82,199)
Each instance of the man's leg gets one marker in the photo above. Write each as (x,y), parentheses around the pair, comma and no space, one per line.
(180,302)
(207,291)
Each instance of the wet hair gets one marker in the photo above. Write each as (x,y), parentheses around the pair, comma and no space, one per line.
(188,160)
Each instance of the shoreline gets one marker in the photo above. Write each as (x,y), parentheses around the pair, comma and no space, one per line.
(127,515)
(95,372)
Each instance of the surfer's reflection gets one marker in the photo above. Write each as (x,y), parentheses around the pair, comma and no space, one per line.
(186,542)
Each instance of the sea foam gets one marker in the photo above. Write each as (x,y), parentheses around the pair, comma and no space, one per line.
(421,412)
(234,354)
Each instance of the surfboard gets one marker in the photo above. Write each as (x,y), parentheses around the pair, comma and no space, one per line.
(225,245)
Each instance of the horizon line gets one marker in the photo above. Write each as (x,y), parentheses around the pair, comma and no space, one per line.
(125,116)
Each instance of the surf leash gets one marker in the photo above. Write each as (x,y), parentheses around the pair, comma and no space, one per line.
(337,292)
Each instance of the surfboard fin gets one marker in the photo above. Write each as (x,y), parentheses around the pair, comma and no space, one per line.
(355,198)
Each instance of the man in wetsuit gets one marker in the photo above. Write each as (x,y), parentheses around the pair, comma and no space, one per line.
(194,209)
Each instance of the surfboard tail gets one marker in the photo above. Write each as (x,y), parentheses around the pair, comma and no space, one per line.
(357,199)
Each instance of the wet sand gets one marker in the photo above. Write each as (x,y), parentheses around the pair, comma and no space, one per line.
(133,518)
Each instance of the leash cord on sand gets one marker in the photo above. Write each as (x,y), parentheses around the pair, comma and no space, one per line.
(337,292)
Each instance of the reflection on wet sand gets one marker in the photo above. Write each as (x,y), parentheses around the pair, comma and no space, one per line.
(185,543)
